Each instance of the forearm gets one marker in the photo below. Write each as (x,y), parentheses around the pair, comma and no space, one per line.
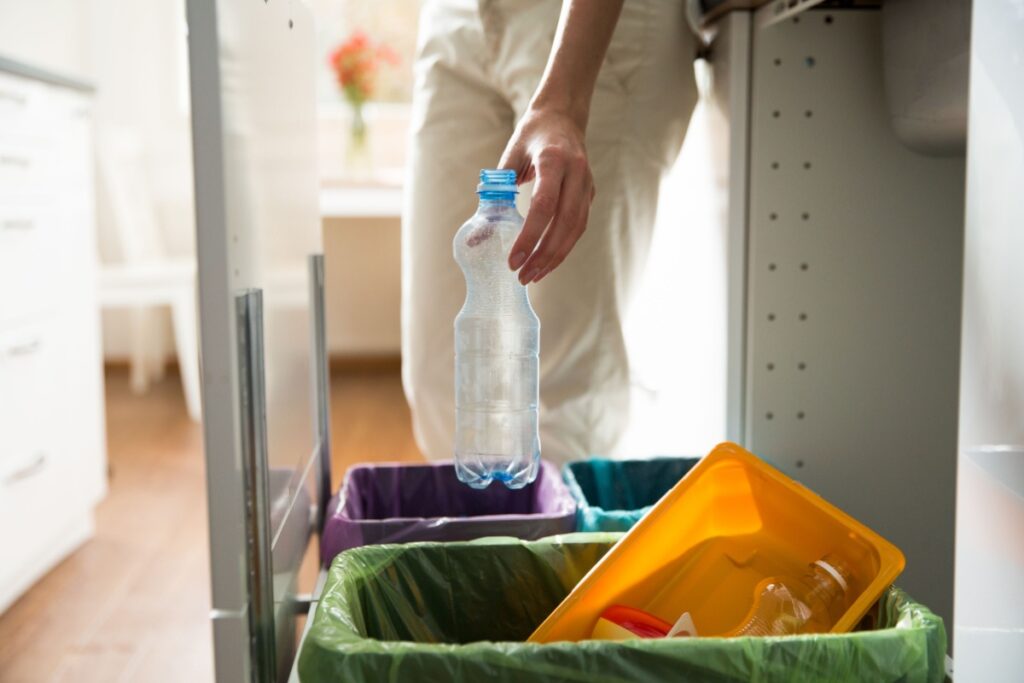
(548,145)
(584,32)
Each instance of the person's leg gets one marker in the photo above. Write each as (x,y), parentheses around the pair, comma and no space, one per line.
(643,101)
(459,125)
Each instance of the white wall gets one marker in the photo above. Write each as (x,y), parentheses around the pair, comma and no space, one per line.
(48,33)
(140,65)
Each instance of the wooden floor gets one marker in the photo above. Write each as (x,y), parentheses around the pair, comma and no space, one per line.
(132,604)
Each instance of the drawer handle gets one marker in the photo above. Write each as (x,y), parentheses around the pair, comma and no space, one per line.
(20,224)
(29,470)
(8,160)
(25,349)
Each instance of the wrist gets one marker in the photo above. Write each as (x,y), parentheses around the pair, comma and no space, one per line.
(561,103)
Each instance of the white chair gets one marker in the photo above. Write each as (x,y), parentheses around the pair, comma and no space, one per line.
(145,278)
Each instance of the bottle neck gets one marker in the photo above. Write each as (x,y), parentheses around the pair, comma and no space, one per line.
(497,200)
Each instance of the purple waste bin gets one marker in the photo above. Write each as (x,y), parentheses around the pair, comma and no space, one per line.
(399,503)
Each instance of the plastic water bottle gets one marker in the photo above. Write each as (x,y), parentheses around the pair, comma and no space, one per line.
(811,603)
(497,339)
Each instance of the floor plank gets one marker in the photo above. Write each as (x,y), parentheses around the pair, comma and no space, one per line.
(132,604)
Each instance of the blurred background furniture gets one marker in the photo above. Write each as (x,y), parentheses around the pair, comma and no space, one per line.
(145,277)
(52,444)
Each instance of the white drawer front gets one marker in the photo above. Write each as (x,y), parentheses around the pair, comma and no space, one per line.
(19,102)
(69,134)
(46,174)
(32,259)
(26,171)
(51,460)
(28,377)
(34,510)
(41,401)
(35,112)
(46,154)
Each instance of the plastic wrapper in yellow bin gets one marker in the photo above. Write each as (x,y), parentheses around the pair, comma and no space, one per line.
(730,523)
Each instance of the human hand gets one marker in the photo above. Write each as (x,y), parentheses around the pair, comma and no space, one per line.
(549,145)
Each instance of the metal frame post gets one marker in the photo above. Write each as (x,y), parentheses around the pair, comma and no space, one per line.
(253,429)
(321,387)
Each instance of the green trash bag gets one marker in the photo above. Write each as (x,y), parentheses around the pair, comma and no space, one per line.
(428,612)
(612,495)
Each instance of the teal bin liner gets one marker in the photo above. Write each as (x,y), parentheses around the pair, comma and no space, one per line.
(425,612)
(613,495)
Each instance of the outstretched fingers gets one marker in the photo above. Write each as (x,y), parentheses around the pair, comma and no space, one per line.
(565,227)
(543,207)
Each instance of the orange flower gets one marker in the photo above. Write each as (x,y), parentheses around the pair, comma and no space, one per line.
(356,62)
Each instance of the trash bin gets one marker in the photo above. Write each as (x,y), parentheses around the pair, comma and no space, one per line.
(400,503)
(614,494)
(455,611)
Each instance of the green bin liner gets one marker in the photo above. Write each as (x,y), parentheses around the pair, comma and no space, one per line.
(427,612)
(612,495)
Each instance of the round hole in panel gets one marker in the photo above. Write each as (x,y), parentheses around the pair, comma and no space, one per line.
(808,114)
(771,266)
(775,165)
(804,266)
(770,366)
(803,316)
(772,216)
(769,416)
(771,317)
(807,165)
(810,62)
(776,114)
(799,463)
(801,366)
(800,415)
(778,62)
(828,18)
(805,216)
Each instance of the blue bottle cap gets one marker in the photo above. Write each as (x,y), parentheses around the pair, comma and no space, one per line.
(497,180)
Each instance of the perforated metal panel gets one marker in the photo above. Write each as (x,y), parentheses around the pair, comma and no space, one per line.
(853,300)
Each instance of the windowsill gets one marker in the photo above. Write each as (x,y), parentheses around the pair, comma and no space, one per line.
(361,201)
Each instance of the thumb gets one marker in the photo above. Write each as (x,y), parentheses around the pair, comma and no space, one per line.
(515,158)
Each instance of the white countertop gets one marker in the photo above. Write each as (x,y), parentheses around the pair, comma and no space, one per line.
(370,201)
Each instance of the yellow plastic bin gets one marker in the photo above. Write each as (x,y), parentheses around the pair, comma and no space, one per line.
(728,524)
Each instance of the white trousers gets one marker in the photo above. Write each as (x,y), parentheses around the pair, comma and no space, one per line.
(478,63)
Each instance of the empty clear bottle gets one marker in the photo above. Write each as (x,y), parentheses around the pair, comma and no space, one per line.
(497,339)
(811,603)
